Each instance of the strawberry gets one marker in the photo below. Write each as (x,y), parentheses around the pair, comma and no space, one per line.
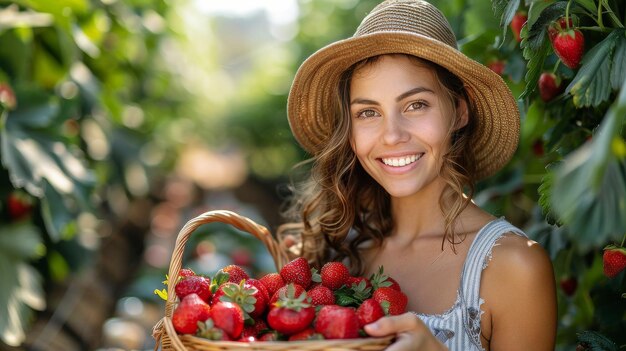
(321,295)
(397,299)
(558,26)
(568,285)
(7,97)
(298,290)
(549,86)
(252,300)
(369,312)
(614,260)
(518,21)
(394,284)
(241,256)
(208,330)
(247,339)
(497,66)
(297,271)
(357,280)
(228,317)
(380,279)
(337,322)
(306,334)
(191,310)
(193,284)
(254,329)
(235,273)
(538,147)
(569,46)
(19,205)
(291,313)
(334,275)
(272,282)
(186,272)
(269,336)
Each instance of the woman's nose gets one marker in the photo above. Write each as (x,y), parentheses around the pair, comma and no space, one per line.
(394,130)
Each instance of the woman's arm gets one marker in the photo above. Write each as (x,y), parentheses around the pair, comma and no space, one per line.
(518,287)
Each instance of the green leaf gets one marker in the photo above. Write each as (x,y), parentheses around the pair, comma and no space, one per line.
(21,290)
(505,9)
(589,5)
(592,84)
(589,189)
(545,189)
(597,341)
(618,69)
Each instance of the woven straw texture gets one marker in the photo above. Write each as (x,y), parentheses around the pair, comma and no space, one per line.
(169,340)
(417,28)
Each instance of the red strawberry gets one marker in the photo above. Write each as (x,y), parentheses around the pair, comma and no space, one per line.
(306,334)
(282,291)
(568,285)
(272,282)
(19,205)
(208,330)
(397,300)
(519,19)
(255,329)
(321,295)
(380,279)
(559,25)
(538,147)
(186,272)
(497,66)
(7,96)
(337,322)
(217,295)
(549,86)
(614,260)
(247,339)
(228,317)
(569,46)
(357,280)
(334,275)
(269,336)
(235,273)
(369,312)
(252,300)
(193,284)
(191,310)
(394,284)
(241,256)
(291,313)
(297,271)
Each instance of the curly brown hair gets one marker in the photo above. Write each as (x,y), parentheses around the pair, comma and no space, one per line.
(340,197)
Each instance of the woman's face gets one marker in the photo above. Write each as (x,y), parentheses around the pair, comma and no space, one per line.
(400,123)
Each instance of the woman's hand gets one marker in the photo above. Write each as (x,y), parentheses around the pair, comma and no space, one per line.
(411,333)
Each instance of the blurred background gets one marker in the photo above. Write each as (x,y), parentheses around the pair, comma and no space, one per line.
(121,120)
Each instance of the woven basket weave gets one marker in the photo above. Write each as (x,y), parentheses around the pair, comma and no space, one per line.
(168,339)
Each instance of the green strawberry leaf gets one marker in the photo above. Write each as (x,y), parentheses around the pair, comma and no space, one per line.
(505,9)
(596,341)
(618,70)
(589,188)
(592,84)
(545,189)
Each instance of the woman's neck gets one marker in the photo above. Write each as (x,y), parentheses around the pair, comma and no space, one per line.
(419,214)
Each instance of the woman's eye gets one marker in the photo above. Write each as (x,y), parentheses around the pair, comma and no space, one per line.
(418,105)
(366,114)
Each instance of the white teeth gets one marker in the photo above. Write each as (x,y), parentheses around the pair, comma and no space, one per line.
(401,161)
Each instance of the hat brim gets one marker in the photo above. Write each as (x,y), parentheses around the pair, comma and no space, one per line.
(310,105)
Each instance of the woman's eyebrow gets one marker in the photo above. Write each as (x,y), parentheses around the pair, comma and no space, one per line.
(412,92)
(400,97)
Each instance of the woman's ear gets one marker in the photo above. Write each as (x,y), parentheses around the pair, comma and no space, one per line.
(462,112)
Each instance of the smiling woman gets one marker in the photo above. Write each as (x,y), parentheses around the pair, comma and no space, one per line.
(400,126)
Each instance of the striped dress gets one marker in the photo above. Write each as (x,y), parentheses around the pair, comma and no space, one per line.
(459,327)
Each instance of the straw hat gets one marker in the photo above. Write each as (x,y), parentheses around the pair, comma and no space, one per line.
(416,28)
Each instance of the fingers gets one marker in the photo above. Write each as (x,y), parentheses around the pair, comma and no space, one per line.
(395,324)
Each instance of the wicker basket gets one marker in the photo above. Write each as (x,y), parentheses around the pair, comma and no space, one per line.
(168,339)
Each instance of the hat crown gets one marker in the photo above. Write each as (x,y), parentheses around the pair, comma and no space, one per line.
(413,16)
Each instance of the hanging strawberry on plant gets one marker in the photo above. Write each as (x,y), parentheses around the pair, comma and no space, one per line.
(614,259)
(568,42)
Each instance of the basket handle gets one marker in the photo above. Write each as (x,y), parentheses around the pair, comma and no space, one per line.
(240,222)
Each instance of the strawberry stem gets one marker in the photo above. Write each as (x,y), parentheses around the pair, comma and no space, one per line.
(623,240)
(556,66)
(599,20)
(611,14)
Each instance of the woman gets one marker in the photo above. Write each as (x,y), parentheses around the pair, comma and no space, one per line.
(401,125)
